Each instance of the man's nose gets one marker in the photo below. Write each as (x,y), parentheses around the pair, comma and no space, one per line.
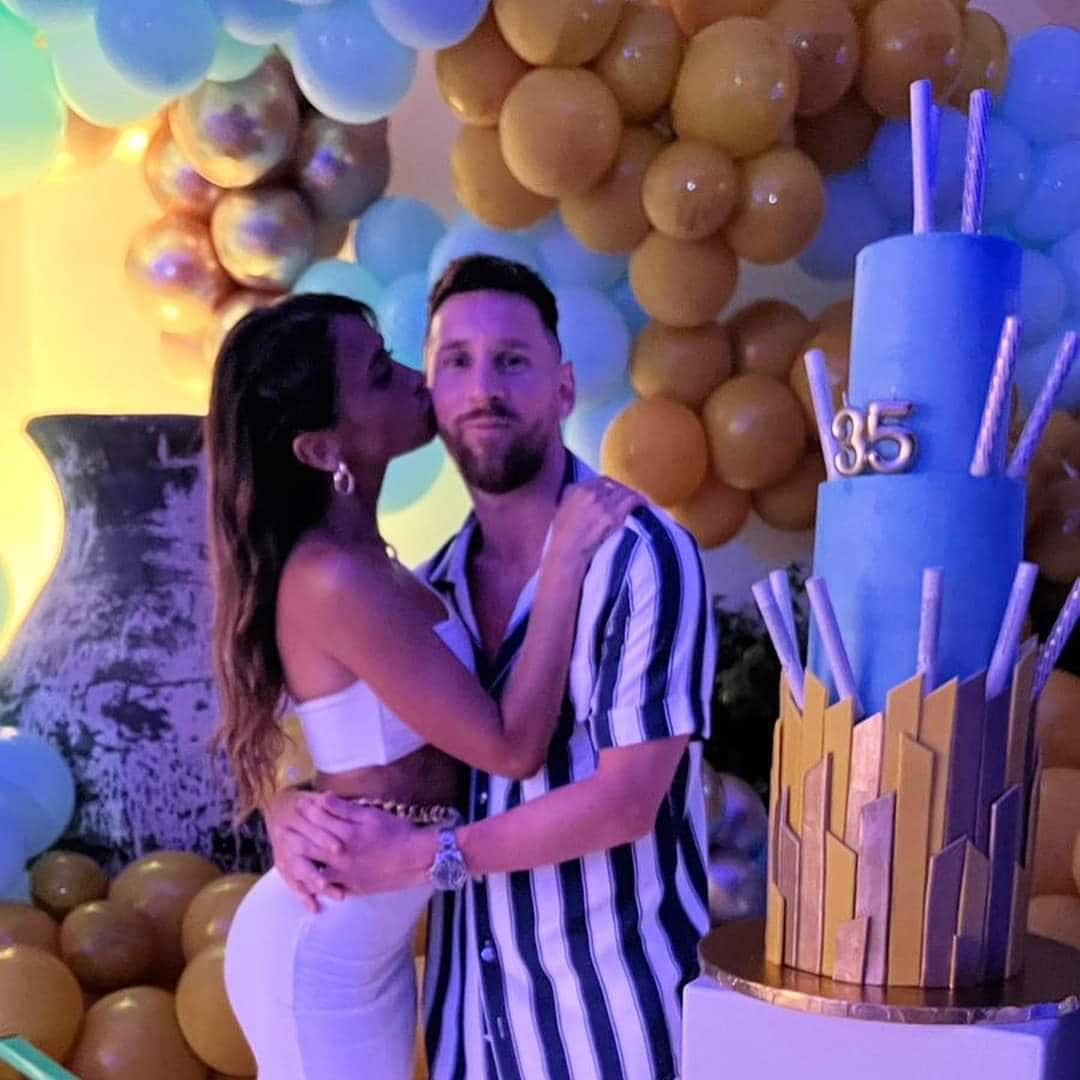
(484,383)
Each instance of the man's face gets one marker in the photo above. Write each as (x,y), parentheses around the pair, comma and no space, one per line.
(499,387)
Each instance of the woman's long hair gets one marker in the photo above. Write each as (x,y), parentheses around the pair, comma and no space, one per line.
(275,378)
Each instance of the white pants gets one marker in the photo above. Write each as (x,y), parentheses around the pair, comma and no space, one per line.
(330,996)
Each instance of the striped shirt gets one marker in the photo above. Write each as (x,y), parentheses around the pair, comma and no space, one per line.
(576,971)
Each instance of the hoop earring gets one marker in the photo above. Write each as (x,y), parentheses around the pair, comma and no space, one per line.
(344,482)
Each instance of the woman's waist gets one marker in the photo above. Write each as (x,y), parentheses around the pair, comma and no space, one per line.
(425,778)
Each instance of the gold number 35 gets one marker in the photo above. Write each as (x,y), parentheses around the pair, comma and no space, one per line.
(862,436)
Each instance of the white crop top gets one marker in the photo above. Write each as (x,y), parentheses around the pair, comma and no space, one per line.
(352,729)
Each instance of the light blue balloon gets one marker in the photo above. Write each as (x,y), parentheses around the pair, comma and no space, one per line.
(567,261)
(583,431)
(469,237)
(47,14)
(396,235)
(854,217)
(258,22)
(12,852)
(91,86)
(347,65)
(1066,254)
(622,296)
(1052,209)
(235,59)
(1042,95)
(1010,170)
(163,48)
(423,24)
(1043,296)
(595,340)
(411,476)
(402,315)
(38,782)
(340,278)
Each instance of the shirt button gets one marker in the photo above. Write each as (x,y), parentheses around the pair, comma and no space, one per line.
(488,954)
(483,798)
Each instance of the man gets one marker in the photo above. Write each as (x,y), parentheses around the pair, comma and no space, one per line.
(566,953)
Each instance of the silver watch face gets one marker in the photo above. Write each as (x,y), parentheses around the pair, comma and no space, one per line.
(448,871)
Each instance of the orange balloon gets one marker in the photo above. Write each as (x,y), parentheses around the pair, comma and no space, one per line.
(756,431)
(61,880)
(695,15)
(685,364)
(610,217)
(641,60)
(907,40)
(294,766)
(835,342)
(486,187)
(737,87)
(559,33)
(560,130)
(1055,721)
(791,504)
(656,446)
(24,924)
(39,1000)
(1055,916)
(107,944)
(714,514)
(161,886)
(330,237)
(781,204)
(131,1033)
(837,316)
(1076,862)
(766,335)
(683,282)
(824,38)
(210,913)
(206,1017)
(475,75)
(985,59)
(690,189)
(1054,542)
(839,139)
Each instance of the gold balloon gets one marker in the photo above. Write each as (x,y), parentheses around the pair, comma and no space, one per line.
(837,316)
(39,1000)
(1054,537)
(175,274)
(985,59)
(756,431)
(486,187)
(24,924)
(765,337)
(695,15)
(264,237)
(834,341)
(294,766)
(610,217)
(61,880)
(1055,721)
(737,87)
(229,312)
(330,238)
(656,446)
(475,75)
(160,886)
(210,913)
(341,168)
(134,1032)
(839,139)
(907,40)
(237,133)
(557,33)
(780,206)
(641,60)
(206,1017)
(1055,916)
(560,130)
(715,513)
(791,504)
(690,190)
(683,282)
(1058,822)
(684,364)
(174,182)
(824,38)
(107,944)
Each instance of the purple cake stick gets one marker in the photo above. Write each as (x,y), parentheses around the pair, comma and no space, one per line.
(1059,637)
(1044,404)
(829,628)
(785,648)
(781,590)
(920,156)
(1004,655)
(929,625)
(996,397)
(975,166)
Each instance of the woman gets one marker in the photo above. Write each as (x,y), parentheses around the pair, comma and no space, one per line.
(306,412)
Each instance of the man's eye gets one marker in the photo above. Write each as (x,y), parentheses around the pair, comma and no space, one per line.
(511,360)
(455,360)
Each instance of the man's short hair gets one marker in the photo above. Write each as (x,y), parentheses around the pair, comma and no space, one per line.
(483,273)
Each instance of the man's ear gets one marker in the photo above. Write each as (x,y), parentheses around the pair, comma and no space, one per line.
(318,449)
(567,390)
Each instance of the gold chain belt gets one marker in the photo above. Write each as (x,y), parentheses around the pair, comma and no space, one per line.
(413,812)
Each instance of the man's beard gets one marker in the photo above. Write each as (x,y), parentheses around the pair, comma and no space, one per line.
(501,472)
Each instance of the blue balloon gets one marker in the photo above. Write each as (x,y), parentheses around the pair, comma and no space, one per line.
(469,237)
(396,235)
(583,431)
(622,296)
(161,48)
(258,22)
(1043,296)
(402,314)
(1010,170)
(1033,365)
(1052,208)
(340,278)
(422,24)
(12,852)
(567,261)
(854,217)
(1066,254)
(235,59)
(39,784)
(595,341)
(1042,96)
(47,14)
(411,476)
(347,65)
(17,891)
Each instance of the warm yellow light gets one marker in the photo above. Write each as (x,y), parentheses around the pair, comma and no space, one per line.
(132,144)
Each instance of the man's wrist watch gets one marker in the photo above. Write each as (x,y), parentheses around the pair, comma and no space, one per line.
(448,872)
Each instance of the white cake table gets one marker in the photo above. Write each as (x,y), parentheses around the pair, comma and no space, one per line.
(744,1018)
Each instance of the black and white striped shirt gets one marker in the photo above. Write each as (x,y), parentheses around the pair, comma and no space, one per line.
(576,971)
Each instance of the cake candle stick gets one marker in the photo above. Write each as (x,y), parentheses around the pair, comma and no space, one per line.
(920,156)
(785,648)
(929,625)
(781,590)
(996,397)
(1004,654)
(817,374)
(975,163)
(1058,639)
(1044,404)
(829,628)
(933,143)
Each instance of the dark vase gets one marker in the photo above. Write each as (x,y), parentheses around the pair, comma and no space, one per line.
(112,664)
